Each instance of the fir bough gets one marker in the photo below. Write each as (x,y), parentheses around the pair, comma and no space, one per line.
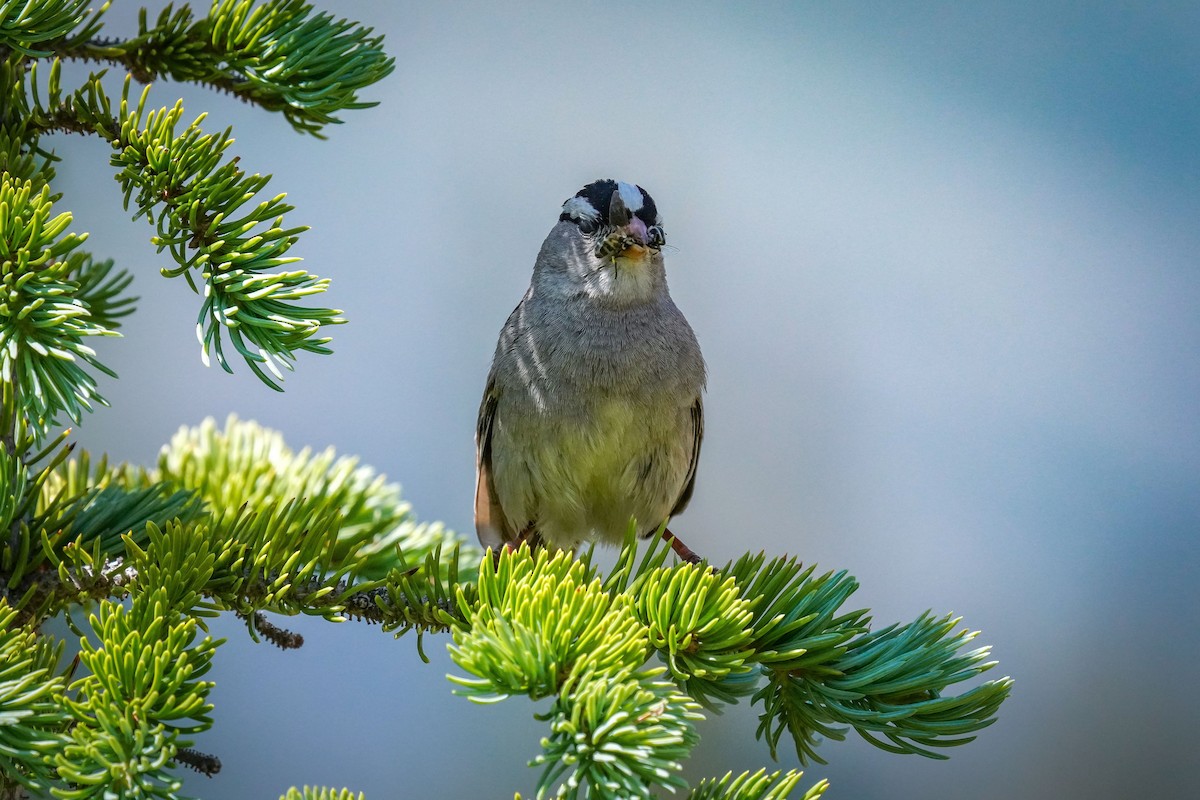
(232,520)
(547,624)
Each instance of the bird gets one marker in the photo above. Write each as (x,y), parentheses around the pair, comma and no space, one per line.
(592,416)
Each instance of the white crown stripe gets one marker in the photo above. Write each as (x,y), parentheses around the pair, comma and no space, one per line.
(579,208)
(631,196)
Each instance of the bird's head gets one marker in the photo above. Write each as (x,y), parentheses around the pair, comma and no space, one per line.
(619,220)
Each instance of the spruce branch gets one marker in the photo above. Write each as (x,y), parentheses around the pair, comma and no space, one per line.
(24,26)
(32,719)
(143,696)
(141,701)
(278,55)
(700,625)
(547,624)
(246,465)
(760,785)
(890,684)
(101,289)
(616,736)
(196,198)
(71,511)
(538,621)
(289,532)
(319,793)
(43,320)
(427,597)
(74,553)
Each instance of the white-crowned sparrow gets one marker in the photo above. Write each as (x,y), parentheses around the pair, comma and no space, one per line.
(592,414)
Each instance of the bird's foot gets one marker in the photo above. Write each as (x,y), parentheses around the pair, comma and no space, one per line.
(528,535)
(684,552)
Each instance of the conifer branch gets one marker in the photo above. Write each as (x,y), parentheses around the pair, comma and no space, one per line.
(43,321)
(757,786)
(141,700)
(536,623)
(33,29)
(278,55)
(195,197)
(315,793)
(32,718)
(545,624)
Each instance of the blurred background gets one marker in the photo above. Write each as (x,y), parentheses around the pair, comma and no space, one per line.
(942,260)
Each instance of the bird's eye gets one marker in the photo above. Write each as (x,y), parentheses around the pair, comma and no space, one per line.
(657,237)
(587,225)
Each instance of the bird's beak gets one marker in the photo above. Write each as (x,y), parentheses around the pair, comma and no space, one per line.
(637,229)
(619,217)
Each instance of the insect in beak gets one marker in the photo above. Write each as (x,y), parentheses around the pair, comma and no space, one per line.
(630,231)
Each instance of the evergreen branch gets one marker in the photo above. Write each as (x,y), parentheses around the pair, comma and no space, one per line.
(140,701)
(19,153)
(277,55)
(107,514)
(292,532)
(545,624)
(143,697)
(757,786)
(69,509)
(175,701)
(200,227)
(244,464)
(32,719)
(179,561)
(43,321)
(699,625)
(315,793)
(614,736)
(183,184)
(539,621)
(892,683)
(825,671)
(45,574)
(25,25)
(278,558)
(14,481)
(76,575)
(428,597)
(101,289)
(796,622)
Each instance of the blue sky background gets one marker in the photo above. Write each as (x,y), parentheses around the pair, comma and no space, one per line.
(942,260)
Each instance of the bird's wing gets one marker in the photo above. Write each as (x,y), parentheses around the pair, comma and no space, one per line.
(490,525)
(697,436)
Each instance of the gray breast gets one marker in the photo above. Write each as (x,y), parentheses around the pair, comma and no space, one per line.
(567,355)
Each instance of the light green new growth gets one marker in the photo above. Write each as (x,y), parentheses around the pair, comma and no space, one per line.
(230,519)
(44,315)
(313,793)
(32,715)
(546,624)
(760,785)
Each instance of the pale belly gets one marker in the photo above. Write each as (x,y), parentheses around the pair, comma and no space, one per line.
(594,478)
